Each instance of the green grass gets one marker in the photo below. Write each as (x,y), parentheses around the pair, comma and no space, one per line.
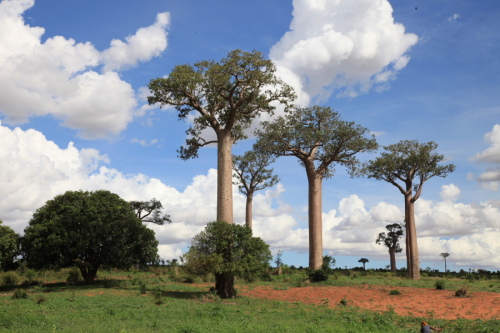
(115,304)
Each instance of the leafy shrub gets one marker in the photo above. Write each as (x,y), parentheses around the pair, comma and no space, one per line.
(440,284)
(111,283)
(73,275)
(19,294)
(394,292)
(142,288)
(11,278)
(318,275)
(40,299)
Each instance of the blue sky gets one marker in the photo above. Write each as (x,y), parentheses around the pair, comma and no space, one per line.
(73,77)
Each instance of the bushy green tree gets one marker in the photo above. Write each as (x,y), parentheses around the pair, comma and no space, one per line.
(91,230)
(9,247)
(227,251)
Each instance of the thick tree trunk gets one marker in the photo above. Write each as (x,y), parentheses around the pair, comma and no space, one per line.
(414,264)
(315,220)
(224,285)
(392,255)
(224,178)
(248,210)
(88,273)
(407,244)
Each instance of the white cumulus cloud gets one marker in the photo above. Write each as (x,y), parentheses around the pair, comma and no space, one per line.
(343,46)
(60,77)
(491,177)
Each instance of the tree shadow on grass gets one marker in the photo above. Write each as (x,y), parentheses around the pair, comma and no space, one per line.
(183,294)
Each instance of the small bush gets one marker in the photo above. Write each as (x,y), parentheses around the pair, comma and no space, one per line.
(20,294)
(142,288)
(318,275)
(440,285)
(73,275)
(394,292)
(11,278)
(40,299)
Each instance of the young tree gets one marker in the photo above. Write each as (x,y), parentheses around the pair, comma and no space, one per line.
(363,261)
(150,211)
(319,139)
(407,165)
(90,230)
(391,241)
(227,250)
(252,172)
(227,96)
(9,247)
(445,255)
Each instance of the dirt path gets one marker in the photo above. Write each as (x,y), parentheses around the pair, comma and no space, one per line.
(415,302)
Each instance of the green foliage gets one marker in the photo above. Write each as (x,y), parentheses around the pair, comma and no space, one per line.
(150,211)
(408,159)
(20,294)
(316,135)
(391,239)
(228,95)
(9,247)
(394,292)
(319,275)
(73,276)
(440,285)
(11,278)
(228,250)
(252,172)
(90,230)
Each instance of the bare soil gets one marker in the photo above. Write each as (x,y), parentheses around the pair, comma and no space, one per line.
(414,302)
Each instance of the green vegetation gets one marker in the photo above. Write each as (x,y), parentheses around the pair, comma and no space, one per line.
(169,306)
(227,251)
(90,230)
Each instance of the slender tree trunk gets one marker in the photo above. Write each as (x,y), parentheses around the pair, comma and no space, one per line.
(392,255)
(412,232)
(224,284)
(248,210)
(315,219)
(224,178)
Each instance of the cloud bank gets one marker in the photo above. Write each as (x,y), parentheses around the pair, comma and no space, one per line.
(36,169)
(60,78)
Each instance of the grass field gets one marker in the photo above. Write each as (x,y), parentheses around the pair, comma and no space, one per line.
(157,301)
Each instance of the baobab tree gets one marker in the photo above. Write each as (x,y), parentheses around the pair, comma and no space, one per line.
(363,261)
(319,139)
(252,174)
(150,211)
(445,255)
(391,240)
(407,165)
(227,96)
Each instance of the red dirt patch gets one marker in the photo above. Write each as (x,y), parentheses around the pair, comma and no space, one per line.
(414,302)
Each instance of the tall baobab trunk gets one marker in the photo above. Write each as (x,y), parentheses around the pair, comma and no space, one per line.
(224,177)
(411,232)
(315,219)
(392,255)
(248,210)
